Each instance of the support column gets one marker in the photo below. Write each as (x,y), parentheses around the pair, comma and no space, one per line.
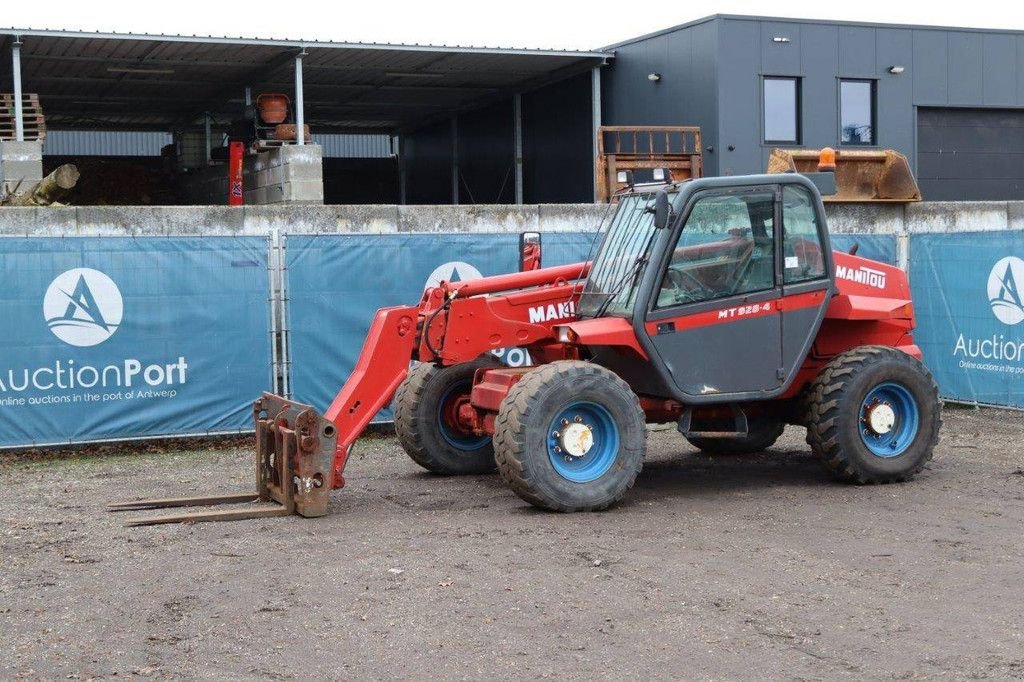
(595,103)
(402,174)
(300,102)
(455,160)
(208,138)
(517,133)
(19,114)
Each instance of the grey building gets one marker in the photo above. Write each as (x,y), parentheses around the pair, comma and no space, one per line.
(950,99)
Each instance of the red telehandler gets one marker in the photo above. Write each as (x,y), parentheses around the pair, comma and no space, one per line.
(715,303)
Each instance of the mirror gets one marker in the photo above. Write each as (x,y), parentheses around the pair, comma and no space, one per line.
(529,251)
(662,209)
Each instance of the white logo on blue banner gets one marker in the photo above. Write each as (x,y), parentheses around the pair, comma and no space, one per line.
(1004,293)
(83,307)
(452,271)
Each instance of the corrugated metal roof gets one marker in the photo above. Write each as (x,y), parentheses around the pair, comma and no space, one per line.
(354,146)
(147,82)
(131,143)
(104,143)
(296,42)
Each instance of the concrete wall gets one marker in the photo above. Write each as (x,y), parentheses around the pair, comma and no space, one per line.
(258,220)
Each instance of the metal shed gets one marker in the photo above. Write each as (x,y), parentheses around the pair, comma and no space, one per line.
(175,83)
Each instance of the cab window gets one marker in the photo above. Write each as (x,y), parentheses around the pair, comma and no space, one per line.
(726,248)
(801,245)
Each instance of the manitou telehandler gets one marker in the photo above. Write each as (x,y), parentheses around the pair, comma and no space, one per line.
(715,303)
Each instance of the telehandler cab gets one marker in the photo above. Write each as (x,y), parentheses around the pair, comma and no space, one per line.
(715,303)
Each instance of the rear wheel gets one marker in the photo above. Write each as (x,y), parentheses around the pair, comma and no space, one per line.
(761,435)
(570,436)
(426,409)
(874,415)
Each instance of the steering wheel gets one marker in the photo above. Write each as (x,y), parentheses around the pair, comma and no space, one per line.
(697,292)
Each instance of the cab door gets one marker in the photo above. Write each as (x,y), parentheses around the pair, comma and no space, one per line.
(715,319)
(806,262)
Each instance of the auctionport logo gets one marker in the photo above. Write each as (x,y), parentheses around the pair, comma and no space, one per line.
(83,307)
(452,271)
(1004,294)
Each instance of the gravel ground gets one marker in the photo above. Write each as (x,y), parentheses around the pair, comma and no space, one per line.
(725,568)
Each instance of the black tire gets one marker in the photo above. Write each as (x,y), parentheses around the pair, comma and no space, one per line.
(418,420)
(761,435)
(836,417)
(524,426)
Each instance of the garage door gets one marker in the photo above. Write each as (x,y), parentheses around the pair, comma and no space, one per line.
(970,154)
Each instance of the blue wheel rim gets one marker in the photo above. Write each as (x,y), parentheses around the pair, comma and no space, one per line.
(457,439)
(601,455)
(906,420)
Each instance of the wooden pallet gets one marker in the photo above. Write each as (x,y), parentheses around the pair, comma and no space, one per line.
(31,114)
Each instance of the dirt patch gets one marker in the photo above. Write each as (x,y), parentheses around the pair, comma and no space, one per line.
(725,567)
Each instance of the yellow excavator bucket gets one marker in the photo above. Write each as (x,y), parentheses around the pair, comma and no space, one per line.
(861,174)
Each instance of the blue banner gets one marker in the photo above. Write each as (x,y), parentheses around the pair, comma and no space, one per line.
(879,247)
(563,248)
(336,283)
(969,297)
(111,337)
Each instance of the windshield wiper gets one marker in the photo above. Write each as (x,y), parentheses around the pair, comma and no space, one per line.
(629,277)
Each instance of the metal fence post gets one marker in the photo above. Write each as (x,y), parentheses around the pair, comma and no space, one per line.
(19,114)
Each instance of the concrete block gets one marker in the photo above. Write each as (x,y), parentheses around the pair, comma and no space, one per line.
(877,218)
(291,218)
(27,171)
(375,218)
(957,216)
(21,151)
(299,173)
(300,191)
(56,221)
(271,157)
(16,220)
(12,187)
(477,218)
(160,220)
(305,155)
(255,162)
(256,197)
(572,217)
(1015,215)
(273,194)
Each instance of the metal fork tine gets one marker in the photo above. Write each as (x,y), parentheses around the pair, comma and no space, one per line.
(213,515)
(136,505)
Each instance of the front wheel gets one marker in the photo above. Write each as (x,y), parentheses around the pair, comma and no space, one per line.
(874,415)
(426,419)
(570,436)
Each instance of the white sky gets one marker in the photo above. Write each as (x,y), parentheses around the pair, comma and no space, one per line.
(573,24)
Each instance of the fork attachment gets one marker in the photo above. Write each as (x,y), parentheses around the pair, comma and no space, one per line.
(295,448)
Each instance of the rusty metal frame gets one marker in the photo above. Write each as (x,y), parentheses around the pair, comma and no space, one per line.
(686,162)
(295,449)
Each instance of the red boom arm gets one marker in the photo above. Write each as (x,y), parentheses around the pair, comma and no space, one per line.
(462,321)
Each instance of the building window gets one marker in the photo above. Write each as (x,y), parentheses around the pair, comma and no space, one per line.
(856,112)
(781,110)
